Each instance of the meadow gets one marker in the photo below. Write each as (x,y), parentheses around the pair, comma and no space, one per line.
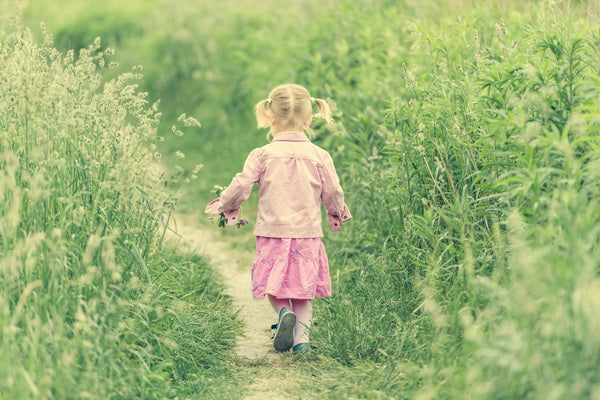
(466,138)
(93,304)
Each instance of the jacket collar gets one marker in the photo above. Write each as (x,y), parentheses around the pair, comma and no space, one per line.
(290,136)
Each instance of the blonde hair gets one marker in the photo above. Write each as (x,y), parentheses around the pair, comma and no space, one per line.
(291,106)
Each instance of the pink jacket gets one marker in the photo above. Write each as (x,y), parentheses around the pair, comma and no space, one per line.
(294,176)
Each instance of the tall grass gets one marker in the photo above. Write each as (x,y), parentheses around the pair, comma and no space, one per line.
(479,194)
(92,303)
(467,142)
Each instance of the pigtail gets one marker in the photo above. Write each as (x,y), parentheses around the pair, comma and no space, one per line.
(262,114)
(324,110)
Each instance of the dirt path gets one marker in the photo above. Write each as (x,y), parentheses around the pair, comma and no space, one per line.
(271,375)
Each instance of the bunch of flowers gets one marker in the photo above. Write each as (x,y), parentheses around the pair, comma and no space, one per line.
(224,217)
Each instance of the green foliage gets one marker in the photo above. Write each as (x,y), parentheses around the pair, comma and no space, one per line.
(498,128)
(92,304)
(467,142)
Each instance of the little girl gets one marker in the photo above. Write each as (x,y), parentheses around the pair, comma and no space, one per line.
(294,176)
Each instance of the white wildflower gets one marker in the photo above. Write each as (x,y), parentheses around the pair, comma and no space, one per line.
(420,149)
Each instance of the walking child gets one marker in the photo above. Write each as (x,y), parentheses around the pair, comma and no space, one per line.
(294,177)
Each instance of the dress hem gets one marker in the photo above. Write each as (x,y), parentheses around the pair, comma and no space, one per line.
(259,297)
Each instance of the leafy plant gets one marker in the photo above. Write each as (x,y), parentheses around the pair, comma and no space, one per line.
(94,303)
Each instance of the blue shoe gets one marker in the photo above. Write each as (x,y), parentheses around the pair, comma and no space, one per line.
(302,348)
(284,335)
(283,339)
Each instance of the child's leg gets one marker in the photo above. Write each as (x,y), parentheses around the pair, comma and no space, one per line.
(303,310)
(283,338)
(278,303)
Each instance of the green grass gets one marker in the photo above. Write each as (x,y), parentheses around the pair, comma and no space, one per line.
(440,275)
(94,303)
(467,143)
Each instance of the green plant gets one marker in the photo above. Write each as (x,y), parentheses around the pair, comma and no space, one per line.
(93,303)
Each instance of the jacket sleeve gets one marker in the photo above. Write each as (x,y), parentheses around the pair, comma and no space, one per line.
(241,185)
(332,195)
(335,221)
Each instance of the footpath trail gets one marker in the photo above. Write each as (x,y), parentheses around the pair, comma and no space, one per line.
(270,375)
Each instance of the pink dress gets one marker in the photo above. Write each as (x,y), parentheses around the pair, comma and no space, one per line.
(294,177)
(290,268)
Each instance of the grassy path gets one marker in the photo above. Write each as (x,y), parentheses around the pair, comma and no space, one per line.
(267,374)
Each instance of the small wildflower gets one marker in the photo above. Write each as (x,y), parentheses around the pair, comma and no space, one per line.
(500,30)
(456,127)
(188,121)
(218,189)
(409,78)
(179,154)
(410,26)
(374,155)
(420,149)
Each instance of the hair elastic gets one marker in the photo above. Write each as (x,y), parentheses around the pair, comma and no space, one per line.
(269,101)
(312,100)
